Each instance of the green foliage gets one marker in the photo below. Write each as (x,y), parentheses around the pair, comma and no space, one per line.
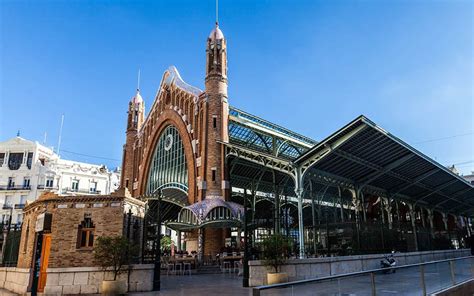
(275,249)
(114,252)
(165,243)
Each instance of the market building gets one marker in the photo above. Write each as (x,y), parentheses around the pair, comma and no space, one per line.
(360,190)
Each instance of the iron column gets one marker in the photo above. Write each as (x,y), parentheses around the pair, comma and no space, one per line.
(245,280)
(157,269)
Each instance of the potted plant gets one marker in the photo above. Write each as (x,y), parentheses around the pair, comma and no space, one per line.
(274,254)
(113,254)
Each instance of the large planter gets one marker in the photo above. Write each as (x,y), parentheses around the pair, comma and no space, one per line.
(117,287)
(277,278)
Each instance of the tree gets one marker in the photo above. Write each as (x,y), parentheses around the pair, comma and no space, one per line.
(275,251)
(166,244)
(114,252)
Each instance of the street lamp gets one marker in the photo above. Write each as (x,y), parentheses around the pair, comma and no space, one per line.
(157,267)
(245,281)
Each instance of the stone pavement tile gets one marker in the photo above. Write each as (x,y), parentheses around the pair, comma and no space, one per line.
(201,285)
(4,292)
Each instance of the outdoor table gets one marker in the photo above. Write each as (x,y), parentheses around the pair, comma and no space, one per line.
(229,258)
(191,260)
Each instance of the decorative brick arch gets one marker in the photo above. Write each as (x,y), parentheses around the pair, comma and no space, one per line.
(169,117)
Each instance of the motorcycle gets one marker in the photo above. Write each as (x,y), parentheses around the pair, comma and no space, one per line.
(388,263)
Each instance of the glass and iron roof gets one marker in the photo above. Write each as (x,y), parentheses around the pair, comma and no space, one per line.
(261,135)
(370,157)
(361,155)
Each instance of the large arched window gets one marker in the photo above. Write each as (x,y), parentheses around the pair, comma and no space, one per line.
(168,167)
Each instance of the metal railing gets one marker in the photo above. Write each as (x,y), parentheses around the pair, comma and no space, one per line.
(47,187)
(13,187)
(424,278)
(86,191)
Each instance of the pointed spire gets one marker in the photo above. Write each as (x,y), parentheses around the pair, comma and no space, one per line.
(138,81)
(216,33)
(137,99)
(217,13)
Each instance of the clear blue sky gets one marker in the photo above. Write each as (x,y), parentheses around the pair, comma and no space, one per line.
(311,66)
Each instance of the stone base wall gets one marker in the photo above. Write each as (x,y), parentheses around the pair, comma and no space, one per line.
(15,279)
(300,269)
(88,280)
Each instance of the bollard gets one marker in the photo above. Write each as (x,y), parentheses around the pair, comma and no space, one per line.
(451,266)
(422,279)
(256,292)
(372,280)
(472,266)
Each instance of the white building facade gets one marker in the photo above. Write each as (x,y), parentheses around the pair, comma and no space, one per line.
(27,169)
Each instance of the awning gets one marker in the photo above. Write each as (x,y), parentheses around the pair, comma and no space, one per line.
(209,213)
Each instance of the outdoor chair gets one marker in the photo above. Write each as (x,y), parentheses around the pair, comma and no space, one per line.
(180,267)
(236,266)
(186,268)
(226,266)
(170,268)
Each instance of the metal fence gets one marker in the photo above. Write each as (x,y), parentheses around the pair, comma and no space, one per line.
(9,244)
(414,279)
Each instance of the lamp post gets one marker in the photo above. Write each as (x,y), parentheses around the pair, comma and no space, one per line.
(245,280)
(157,269)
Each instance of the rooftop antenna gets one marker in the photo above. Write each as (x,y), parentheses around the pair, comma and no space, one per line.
(60,133)
(138,82)
(217,12)
(44,138)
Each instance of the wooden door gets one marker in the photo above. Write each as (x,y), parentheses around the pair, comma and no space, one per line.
(44,261)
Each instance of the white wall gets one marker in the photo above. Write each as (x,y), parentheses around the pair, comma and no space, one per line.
(46,165)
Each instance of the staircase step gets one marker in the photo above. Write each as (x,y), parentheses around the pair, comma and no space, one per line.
(209,269)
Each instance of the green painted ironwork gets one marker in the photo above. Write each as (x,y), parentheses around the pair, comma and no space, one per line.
(168,166)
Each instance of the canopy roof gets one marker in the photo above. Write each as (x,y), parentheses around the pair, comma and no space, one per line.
(359,156)
(367,156)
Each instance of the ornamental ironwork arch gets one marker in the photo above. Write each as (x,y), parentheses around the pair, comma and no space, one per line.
(168,168)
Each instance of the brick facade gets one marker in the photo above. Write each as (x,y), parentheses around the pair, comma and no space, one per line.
(201,118)
(107,214)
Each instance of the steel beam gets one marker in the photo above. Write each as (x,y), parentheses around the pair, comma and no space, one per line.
(415,181)
(328,148)
(386,169)
(435,190)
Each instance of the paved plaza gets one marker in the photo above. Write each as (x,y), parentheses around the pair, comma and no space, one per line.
(201,285)
(403,282)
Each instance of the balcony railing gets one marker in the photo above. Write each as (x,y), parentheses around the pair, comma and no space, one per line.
(20,187)
(48,187)
(72,190)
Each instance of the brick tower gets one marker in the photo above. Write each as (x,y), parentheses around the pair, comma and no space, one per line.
(217,113)
(213,170)
(135,119)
